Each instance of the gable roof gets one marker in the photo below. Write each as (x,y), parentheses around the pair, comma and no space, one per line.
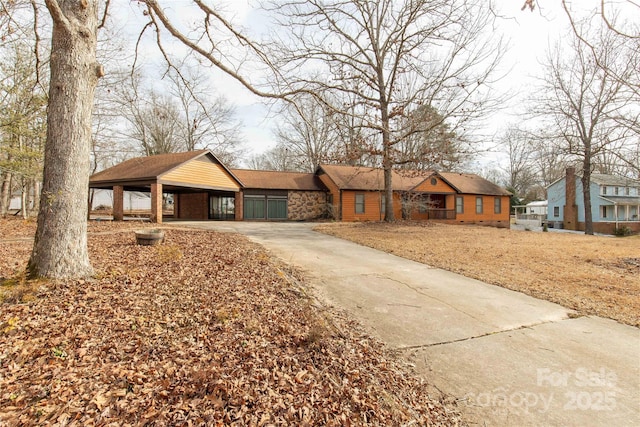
(602,179)
(275,180)
(469,183)
(366,178)
(614,180)
(145,167)
(148,168)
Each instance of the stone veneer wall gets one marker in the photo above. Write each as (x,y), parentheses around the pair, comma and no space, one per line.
(306,205)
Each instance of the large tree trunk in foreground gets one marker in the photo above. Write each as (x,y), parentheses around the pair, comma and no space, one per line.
(60,247)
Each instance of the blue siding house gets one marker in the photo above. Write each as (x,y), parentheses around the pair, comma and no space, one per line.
(615,202)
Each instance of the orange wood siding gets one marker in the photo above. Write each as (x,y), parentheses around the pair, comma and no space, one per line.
(439,187)
(202,174)
(371,206)
(487,215)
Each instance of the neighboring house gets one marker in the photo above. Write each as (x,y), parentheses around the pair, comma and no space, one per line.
(532,214)
(133,200)
(615,202)
(357,194)
(271,195)
(538,207)
(203,188)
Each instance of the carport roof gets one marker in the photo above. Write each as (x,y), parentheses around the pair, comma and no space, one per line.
(145,170)
(275,180)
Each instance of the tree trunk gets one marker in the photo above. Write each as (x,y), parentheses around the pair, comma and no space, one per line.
(586,194)
(23,200)
(388,189)
(60,246)
(387,161)
(36,196)
(5,193)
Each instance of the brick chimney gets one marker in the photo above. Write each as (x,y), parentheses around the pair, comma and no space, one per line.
(570,208)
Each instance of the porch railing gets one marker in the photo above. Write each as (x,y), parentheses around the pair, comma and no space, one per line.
(442,213)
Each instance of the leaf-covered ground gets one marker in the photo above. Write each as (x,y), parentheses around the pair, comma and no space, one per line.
(594,275)
(204,329)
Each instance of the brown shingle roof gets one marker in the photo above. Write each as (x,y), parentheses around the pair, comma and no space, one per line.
(275,180)
(365,178)
(468,183)
(142,168)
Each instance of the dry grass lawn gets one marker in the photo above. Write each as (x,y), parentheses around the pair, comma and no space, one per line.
(593,275)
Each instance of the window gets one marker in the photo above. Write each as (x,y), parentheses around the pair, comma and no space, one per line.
(383,203)
(459,204)
(615,191)
(604,211)
(604,190)
(497,205)
(359,203)
(478,205)
(556,211)
(627,191)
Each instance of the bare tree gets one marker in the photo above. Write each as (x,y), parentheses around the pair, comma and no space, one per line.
(549,159)
(585,100)
(178,120)
(278,158)
(306,134)
(430,144)
(390,57)
(521,176)
(208,124)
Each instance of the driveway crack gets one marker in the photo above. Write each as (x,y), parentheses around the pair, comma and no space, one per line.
(418,291)
(423,346)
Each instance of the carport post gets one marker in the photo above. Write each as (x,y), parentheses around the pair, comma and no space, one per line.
(156,203)
(176,205)
(118,203)
(239,206)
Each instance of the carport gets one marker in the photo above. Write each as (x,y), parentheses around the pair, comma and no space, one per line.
(202,186)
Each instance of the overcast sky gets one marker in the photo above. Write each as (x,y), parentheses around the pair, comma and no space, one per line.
(530,34)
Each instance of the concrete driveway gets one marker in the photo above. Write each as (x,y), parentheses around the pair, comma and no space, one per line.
(510,359)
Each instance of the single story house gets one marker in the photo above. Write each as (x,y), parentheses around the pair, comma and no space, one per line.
(615,202)
(357,194)
(203,188)
(532,214)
